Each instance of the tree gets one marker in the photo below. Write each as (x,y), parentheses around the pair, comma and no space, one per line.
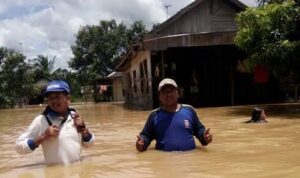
(136,32)
(16,78)
(60,74)
(268,34)
(95,48)
(98,47)
(43,67)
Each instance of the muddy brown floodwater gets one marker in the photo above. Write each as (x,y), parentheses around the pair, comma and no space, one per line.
(238,149)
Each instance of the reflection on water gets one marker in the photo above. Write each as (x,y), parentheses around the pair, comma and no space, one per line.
(238,149)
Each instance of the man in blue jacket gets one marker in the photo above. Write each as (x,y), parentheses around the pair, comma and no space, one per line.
(172,125)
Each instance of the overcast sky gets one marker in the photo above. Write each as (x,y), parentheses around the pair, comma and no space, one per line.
(48,27)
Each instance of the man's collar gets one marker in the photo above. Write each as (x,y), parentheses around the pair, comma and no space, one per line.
(53,113)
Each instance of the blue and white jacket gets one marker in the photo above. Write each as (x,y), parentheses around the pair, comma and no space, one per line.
(173,131)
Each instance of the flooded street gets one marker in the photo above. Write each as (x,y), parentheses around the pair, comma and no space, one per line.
(238,149)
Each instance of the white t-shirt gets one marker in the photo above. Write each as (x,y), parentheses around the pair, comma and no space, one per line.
(64,149)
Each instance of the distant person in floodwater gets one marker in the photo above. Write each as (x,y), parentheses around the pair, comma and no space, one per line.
(59,129)
(258,116)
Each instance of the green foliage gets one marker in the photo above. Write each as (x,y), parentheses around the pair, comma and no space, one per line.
(268,34)
(16,78)
(98,48)
(60,74)
(75,85)
(43,67)
(136,32)
(96,52)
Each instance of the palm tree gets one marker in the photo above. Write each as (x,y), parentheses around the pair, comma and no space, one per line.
(43,66)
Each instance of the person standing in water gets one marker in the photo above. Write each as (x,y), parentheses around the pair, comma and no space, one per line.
(172,125)
(258,116)
(59,129)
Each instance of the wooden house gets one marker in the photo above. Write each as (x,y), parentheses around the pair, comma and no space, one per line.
(196,48)
(117,84)
(136,68)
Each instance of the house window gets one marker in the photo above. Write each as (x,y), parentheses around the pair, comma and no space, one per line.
(144,76)
(129,84)
(134,81)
